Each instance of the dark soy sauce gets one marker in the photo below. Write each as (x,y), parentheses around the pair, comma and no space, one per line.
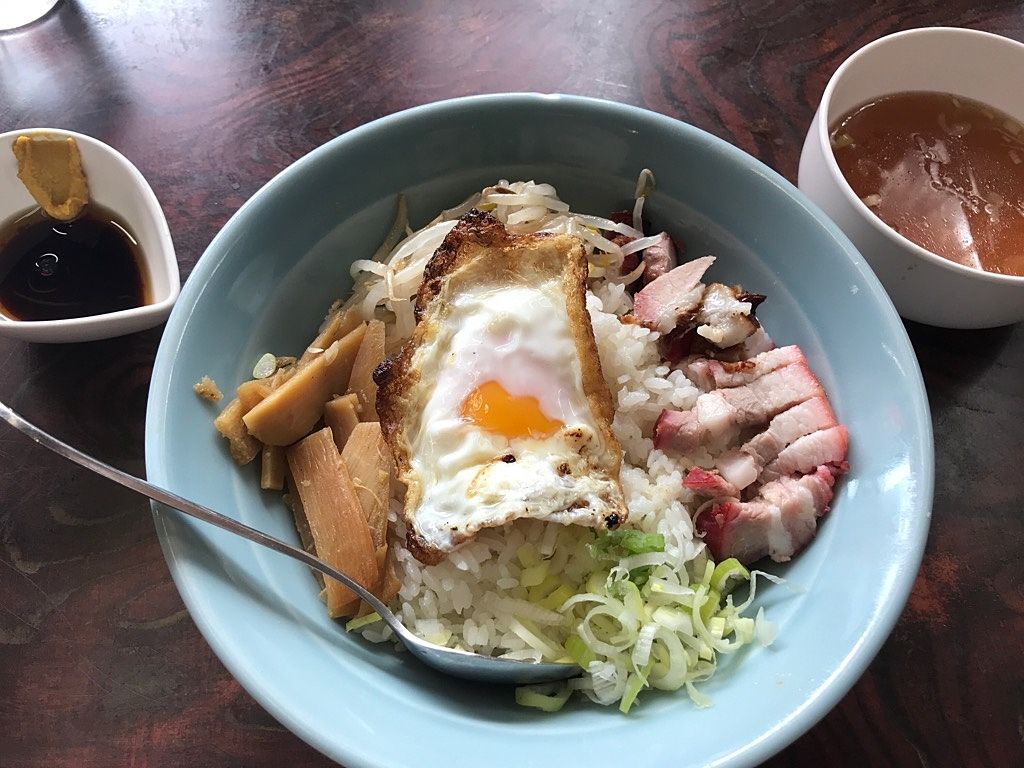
(55,270)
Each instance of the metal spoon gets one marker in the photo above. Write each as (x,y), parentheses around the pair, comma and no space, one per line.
(470,666)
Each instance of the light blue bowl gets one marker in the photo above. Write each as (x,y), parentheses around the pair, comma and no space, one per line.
(264,284)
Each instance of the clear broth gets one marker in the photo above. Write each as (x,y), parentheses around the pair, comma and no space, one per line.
(944,171)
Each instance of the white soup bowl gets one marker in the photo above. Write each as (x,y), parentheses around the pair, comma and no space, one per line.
(924,286)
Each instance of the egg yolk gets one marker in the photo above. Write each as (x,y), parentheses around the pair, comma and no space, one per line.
(490,407)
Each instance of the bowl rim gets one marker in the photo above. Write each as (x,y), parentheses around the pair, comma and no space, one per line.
(164,260)
(855,660)
(844,186)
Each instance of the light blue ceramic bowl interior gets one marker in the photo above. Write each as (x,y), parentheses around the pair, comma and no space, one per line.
(265,283)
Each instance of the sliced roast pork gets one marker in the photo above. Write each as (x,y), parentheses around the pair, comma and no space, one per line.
(744,465)
(673,298)
(826,446)
(711,374)
(778,523)
(709,483)
(719,416)
(775,448)
(763,432)
(693,317)
(756,343)
(677,302)
(659,259)
(726,316)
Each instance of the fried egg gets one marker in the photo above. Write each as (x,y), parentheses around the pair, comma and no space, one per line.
(496,408)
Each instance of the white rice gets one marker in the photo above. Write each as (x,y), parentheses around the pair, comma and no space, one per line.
(474,599)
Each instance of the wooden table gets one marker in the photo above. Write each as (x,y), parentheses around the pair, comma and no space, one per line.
(100,664)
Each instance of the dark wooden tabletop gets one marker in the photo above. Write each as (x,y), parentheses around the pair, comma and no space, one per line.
(100,665)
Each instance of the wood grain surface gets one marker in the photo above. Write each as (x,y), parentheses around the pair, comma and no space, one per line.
(100,665)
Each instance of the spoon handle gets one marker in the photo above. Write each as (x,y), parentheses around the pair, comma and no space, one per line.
(194,510)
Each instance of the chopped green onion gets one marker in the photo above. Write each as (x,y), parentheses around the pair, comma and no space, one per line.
(528,555)
(637,542)
(671,661)
(764,629)
(535,637)
(353,624)
(711,606)
(640,576)
(596,583)
(634,684)
(579,651)
(596,630)
(545,588)
(536,697)
(726,574)
(439,638)
(705,581)
(641,655)
(265,366)
(630,595)
(554,601)
(614,545)
(673,620)
(841,140)
(698,698)
(533,575)
(744,629)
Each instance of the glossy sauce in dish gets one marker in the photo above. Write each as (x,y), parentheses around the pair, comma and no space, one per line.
(944,171)
(55,270)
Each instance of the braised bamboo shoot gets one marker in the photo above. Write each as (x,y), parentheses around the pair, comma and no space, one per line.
(341,415)
(370,355)
(293,409)
(338,324)
(272,467)
(336,520)
(369,463)
(242,445)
